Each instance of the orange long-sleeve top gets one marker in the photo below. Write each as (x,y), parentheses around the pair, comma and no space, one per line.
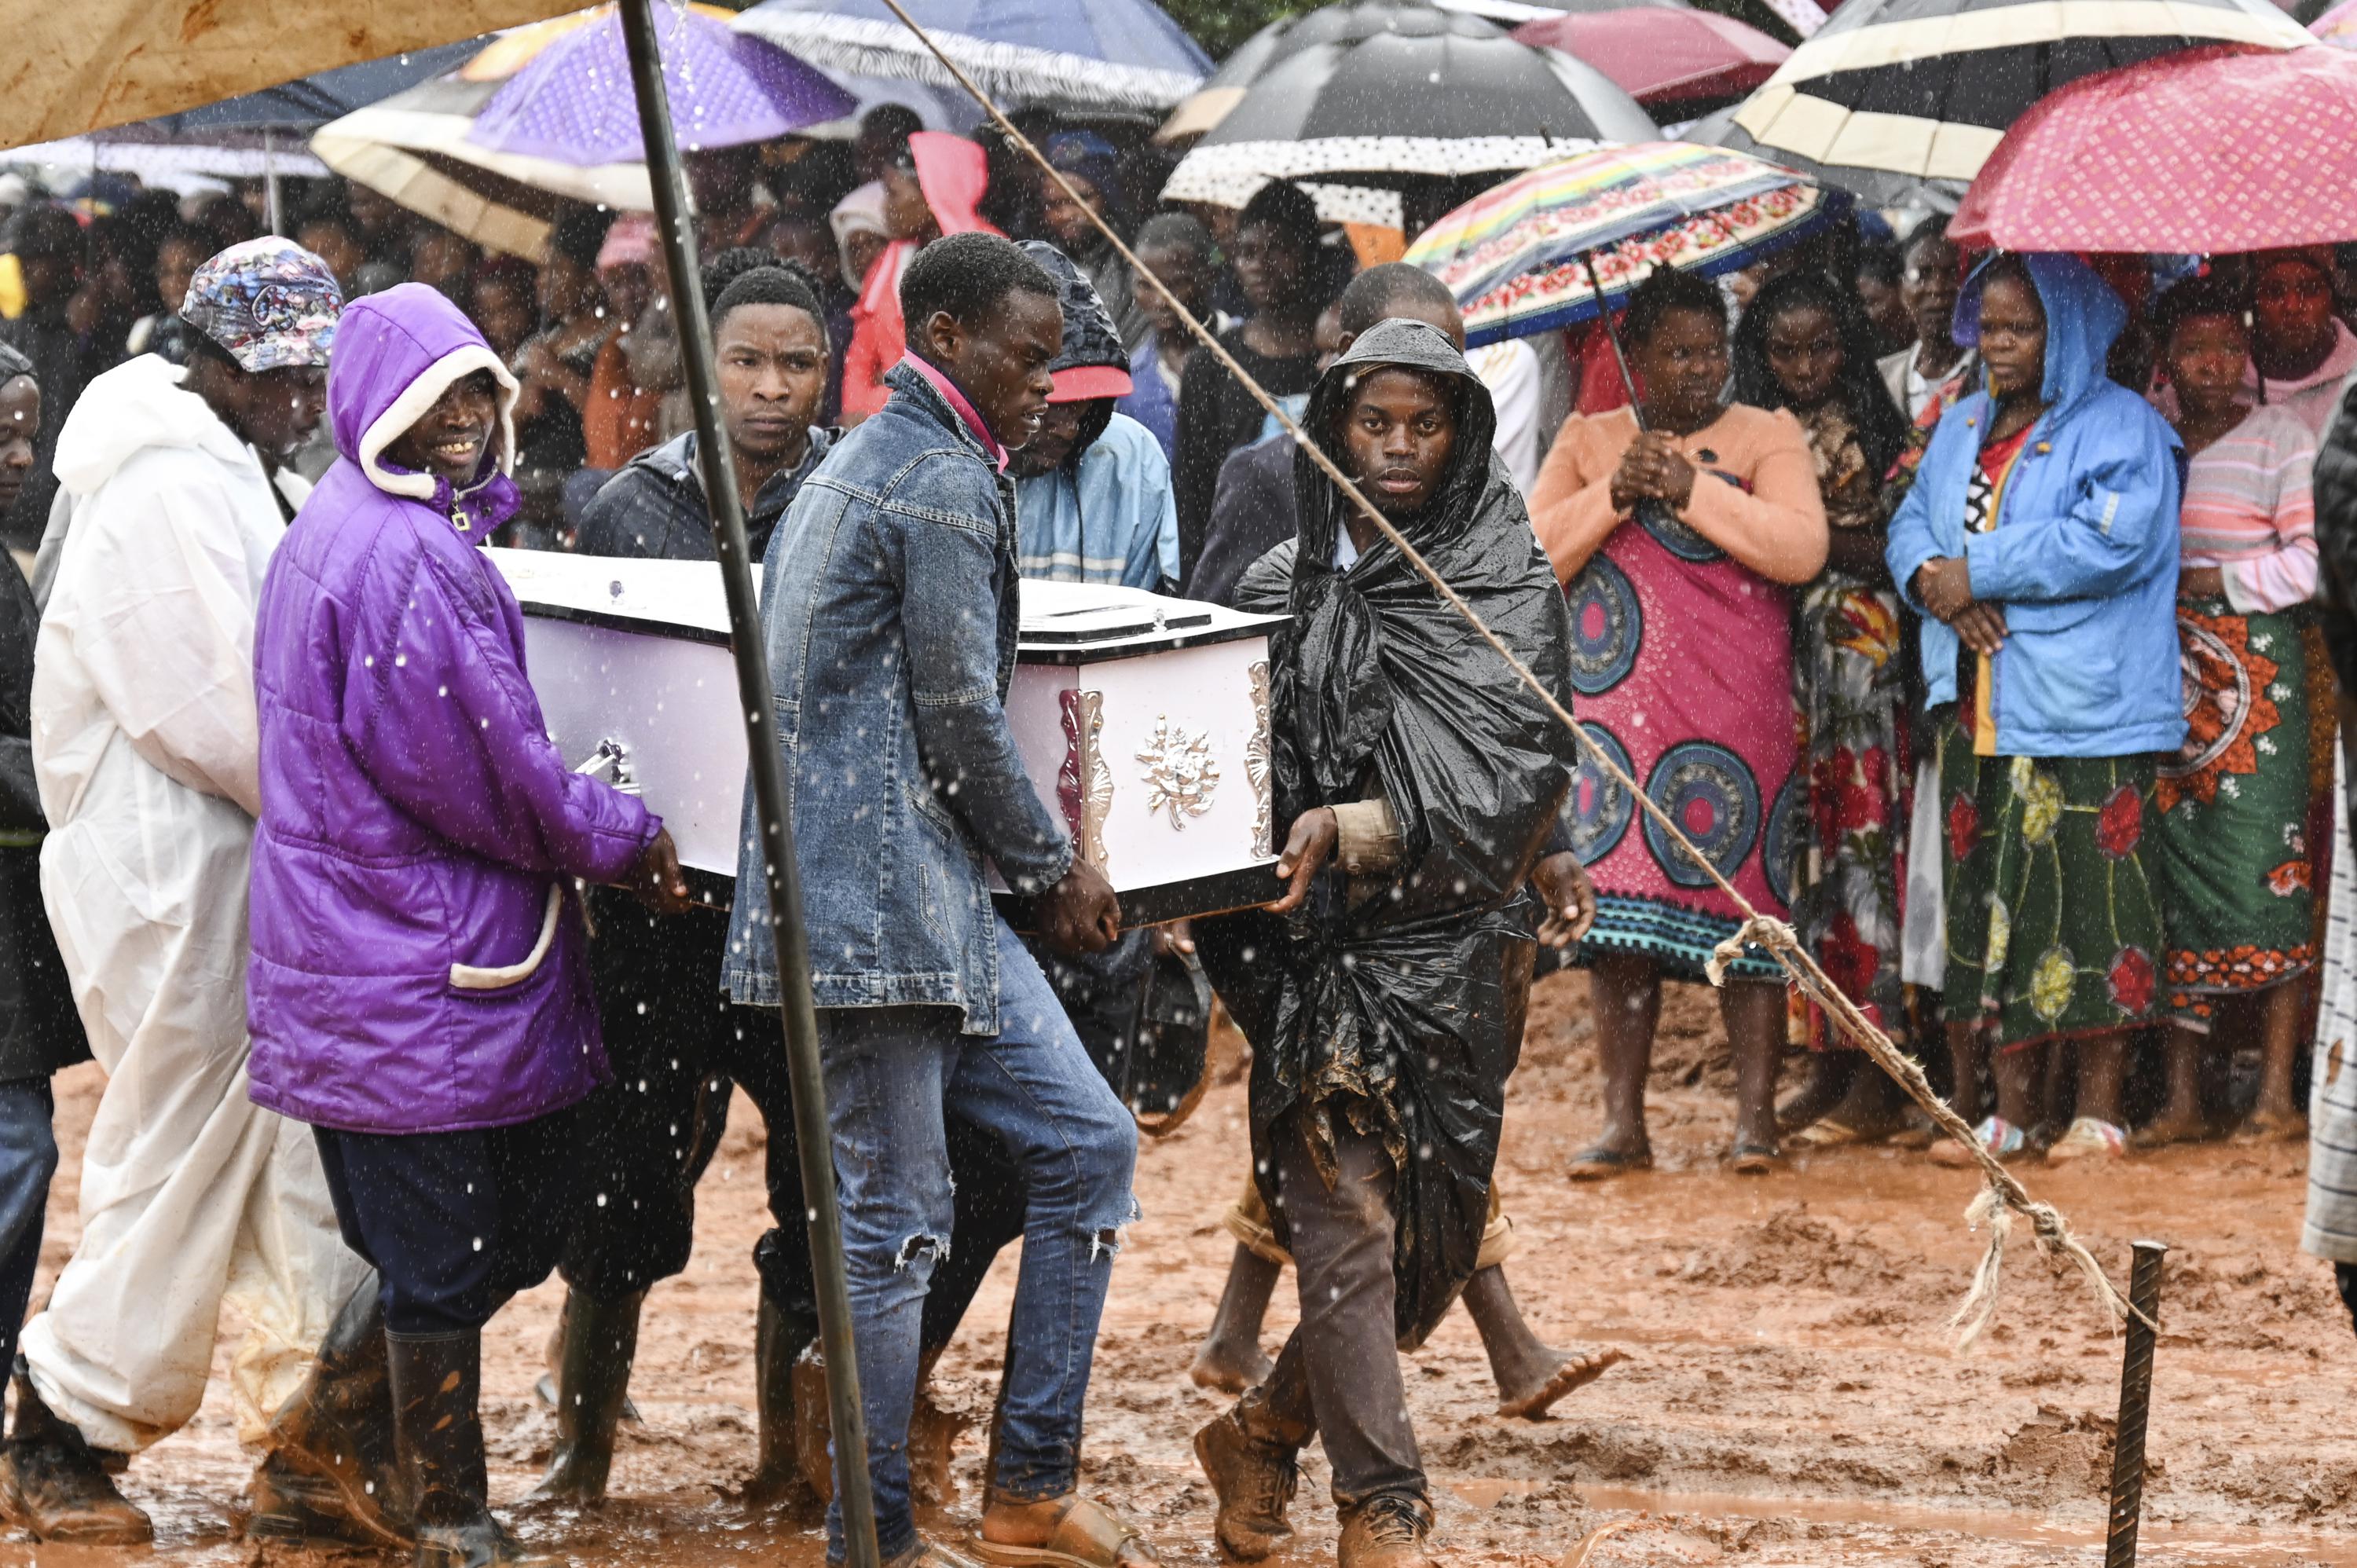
(1771,519)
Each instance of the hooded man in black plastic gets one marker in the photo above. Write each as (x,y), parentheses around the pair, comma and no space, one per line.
(1416,777)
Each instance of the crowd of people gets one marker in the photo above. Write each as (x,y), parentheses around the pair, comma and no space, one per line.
(1977,614)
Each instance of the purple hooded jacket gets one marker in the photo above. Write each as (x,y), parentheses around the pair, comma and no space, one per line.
(418,963)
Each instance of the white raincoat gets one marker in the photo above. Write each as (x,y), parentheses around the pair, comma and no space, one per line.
(144,741)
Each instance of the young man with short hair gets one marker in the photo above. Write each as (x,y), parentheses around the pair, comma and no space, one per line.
(890,609)
(1416,782)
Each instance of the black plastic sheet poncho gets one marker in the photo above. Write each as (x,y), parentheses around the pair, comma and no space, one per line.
(1399,1005)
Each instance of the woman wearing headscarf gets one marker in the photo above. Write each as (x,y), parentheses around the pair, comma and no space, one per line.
(1677,539)
(1416,780)
(934,187)
(1804,345)
(2040,541)
(2232,807)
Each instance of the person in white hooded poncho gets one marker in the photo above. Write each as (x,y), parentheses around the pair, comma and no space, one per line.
(144,745)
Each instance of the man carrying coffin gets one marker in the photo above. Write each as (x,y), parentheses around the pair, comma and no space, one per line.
(1416,781)
(889,610)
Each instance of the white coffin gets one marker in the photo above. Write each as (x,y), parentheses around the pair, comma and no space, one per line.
(1143,721)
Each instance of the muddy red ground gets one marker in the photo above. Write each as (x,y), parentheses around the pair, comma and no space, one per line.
(1790,1397)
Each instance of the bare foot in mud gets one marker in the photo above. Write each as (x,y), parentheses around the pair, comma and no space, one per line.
(1230,1369)
(1569,1374)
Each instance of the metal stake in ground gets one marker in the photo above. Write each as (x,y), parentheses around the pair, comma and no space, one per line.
(2135,1405)
(754,699)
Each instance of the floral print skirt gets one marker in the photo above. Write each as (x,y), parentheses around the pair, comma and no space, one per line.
(2230,835)
(2054,926)
(1845,903)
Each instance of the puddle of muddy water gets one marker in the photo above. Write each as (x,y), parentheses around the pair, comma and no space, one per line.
(2159,1545)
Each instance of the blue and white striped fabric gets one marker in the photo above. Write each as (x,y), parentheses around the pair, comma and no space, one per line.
(2331,1229)
(1114,521)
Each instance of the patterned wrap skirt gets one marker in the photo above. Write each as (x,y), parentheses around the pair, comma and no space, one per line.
(2230,842)
(2054,923)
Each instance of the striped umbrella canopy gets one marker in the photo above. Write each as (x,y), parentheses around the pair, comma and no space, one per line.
(1517,257)
(1872,186)
(1431,94)
(1927,87)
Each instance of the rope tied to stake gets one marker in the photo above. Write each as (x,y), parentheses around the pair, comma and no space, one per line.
(2003,1197)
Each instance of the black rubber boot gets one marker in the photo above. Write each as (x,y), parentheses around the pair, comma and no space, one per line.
(600,1341)
(779,1339)
(331,1469)
(55,1485)
(438,1431)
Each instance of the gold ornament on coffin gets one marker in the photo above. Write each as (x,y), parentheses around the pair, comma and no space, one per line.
(1085,783)
(1256,759)
(1179,772)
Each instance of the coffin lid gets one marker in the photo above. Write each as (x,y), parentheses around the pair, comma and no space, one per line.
(1062,622)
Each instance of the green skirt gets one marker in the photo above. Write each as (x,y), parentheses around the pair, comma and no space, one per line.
(2230,842)
(2053,925)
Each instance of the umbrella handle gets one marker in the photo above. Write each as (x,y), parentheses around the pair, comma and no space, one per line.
(1652,512)
(1612,335)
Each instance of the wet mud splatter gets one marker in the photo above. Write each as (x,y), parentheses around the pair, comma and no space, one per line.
(1790,1399)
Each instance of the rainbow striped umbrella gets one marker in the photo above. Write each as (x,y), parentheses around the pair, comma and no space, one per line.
(1516,256)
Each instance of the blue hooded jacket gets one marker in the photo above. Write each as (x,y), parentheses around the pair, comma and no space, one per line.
(2083,558)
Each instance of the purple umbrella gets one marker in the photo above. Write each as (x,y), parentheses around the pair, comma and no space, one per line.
(574,104)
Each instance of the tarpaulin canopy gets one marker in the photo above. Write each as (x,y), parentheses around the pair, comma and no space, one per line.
(78,67)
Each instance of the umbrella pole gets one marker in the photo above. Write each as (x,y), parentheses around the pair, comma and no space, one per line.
(1612,335)
(757,702)
(270,182)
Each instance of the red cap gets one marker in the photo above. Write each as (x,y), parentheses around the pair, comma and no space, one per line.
(1082,382)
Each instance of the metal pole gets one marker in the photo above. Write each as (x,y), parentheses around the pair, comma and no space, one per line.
(757,702)
(270,182)
(1612,335)
(2135,1405)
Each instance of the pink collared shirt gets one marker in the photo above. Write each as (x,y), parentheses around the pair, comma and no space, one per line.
(957,400)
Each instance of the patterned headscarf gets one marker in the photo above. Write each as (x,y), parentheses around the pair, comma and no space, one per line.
(269,302)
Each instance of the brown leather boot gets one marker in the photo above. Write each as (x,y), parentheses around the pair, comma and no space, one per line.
(53,1482)
(1387,1531)
(1250,1457)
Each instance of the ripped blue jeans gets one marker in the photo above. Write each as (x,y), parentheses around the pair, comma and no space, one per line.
(892,1075)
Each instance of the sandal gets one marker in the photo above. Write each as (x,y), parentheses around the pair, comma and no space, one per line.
(1087,1535)
(1601,1164)
(2088,1139)
(1755,1159)
(1996,1134)
(1828,1134)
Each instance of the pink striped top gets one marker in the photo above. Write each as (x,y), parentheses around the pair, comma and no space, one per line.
(2248,511)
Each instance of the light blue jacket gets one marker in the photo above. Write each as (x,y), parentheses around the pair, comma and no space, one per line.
(888,609)
(2083,558)
(1109,518)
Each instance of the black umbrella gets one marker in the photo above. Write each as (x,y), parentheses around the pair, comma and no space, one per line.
(1401,91)
(302,106)
(1927,87)
(1872,186)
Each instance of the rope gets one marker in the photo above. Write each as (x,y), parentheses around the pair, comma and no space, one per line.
(2003,1197)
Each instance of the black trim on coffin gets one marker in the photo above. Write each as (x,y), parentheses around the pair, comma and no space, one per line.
(1244,888)
(1026,653)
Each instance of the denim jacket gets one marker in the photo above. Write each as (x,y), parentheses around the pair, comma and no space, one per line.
(888,610)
